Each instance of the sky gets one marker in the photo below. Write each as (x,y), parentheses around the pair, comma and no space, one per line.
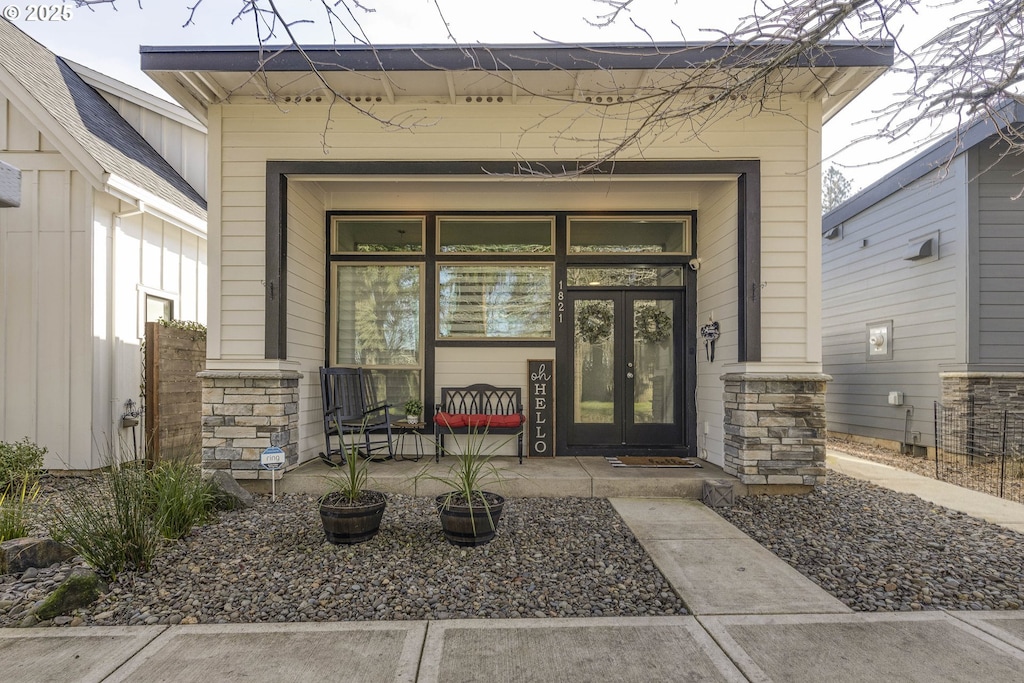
(108,40)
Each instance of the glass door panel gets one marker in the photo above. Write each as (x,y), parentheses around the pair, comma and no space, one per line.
(654,360)
(626,366)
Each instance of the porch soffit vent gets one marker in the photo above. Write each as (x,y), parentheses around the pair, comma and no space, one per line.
(362,99)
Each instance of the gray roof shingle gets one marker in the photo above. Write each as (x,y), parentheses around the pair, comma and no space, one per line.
(117,147)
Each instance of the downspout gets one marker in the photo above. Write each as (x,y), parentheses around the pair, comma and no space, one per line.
(116,408)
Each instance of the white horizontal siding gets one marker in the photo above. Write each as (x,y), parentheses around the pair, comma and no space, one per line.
(253,134)
(307,287)
(716,290)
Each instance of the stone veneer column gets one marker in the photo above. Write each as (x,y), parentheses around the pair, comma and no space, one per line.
(992,391)
(980,399)
(245,413)
(775,428)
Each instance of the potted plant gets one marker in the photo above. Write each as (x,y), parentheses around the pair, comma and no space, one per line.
(469,515)
(350,512)
(413,410)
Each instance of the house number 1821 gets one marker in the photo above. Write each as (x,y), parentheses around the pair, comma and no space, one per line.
(561,302)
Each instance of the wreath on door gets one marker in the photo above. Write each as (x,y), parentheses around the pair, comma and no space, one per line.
(652,325)
(594,321)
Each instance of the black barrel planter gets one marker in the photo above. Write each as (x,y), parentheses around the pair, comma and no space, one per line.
(346,523)
(469,525)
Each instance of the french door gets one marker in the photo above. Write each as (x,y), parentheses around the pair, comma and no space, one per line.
(627,370)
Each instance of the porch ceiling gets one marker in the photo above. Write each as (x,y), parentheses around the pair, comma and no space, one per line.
(492,75)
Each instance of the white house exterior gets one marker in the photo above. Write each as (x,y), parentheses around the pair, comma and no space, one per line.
(929,263)
(310,197)
(110,230)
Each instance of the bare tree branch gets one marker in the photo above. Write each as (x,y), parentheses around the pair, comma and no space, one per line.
(968,70)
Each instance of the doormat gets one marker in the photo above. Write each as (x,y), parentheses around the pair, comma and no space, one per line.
(651,461)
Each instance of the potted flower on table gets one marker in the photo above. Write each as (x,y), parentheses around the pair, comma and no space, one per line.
(413,410)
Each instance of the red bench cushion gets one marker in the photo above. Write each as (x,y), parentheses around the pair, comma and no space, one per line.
(450,419)
(478,420)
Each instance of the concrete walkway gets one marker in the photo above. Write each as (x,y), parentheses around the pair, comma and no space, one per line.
(754,618)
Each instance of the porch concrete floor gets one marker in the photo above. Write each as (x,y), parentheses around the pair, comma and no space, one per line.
(563,476)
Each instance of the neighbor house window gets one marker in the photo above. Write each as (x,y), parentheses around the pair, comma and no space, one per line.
(502,301)
(376,324)
(157,308)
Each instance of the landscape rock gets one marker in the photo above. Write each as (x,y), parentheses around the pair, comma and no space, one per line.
(82,588)
(233,495)
(20,554)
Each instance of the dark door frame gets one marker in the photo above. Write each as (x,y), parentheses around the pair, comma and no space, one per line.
(683,382)
(748,226)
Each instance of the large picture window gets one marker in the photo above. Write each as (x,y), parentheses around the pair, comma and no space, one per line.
(376,323)
(505,301)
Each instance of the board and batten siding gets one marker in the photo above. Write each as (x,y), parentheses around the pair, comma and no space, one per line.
(997,310)
(72,284)
(866,279)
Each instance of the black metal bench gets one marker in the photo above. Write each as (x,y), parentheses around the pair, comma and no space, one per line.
(478,409)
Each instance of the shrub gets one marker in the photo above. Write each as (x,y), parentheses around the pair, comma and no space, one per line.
(19,459)
(14,501)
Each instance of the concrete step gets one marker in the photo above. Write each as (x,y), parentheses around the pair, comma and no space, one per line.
(564,476)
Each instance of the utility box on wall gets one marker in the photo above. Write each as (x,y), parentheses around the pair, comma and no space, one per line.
(879,340)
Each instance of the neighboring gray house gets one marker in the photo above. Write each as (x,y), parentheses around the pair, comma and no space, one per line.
(922,282)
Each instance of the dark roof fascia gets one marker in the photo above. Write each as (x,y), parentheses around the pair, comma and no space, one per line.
(924,163)
(582,57)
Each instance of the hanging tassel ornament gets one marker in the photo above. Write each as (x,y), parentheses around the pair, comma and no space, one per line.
(710,334)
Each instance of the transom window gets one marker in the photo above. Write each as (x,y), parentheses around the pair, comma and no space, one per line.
(629,235)
(472,235)
(376,234)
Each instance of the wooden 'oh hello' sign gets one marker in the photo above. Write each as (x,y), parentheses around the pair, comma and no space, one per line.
(540,412)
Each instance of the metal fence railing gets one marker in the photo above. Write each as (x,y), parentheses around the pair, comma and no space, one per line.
(980,449)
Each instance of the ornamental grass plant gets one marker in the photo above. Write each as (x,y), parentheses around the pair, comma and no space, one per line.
(110,521)
(471,470)
(348,485)
(180,497)
(119,520)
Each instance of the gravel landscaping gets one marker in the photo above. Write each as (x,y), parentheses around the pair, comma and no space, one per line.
(571,557)
(872,548)
(877,549)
